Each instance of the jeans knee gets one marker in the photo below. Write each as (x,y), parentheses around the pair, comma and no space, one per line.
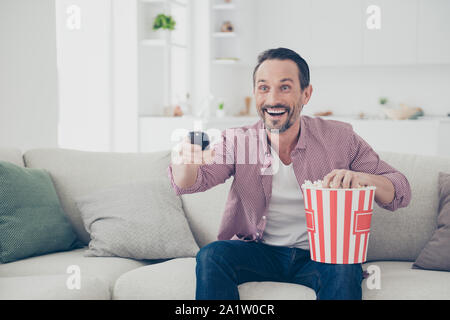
(210,252)
(204,253)
(346,273)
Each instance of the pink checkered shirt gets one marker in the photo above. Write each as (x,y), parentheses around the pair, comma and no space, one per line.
(323,145)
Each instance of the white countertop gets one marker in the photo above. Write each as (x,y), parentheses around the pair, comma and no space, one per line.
(348,118)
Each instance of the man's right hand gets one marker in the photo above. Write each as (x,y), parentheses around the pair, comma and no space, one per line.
(188,154)
(186,159)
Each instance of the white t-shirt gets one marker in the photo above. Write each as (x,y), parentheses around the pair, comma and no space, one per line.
(285,218)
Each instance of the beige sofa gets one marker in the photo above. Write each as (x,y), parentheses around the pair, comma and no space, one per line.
(395,241)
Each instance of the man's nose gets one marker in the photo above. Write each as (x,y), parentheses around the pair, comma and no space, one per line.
(273,98)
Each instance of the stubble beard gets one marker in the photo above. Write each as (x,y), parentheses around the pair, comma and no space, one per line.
(292,115)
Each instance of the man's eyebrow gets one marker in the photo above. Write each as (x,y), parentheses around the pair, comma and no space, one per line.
(282,80)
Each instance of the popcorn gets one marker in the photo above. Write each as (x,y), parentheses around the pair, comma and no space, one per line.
(315,184)
(319,184)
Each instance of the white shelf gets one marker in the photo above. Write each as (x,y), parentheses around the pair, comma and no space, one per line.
(154,1)
(225,6)
(172,2)
(224,34)
(225,61)
(160,43)
(178,3)
(154,42)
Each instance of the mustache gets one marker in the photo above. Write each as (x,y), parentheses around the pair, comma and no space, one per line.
(279,106)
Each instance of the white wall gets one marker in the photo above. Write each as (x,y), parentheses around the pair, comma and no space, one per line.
(97,69)
(199,53)
(85,75)
(28,80)
(124,66)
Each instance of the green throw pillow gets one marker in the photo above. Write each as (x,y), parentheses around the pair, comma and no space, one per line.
(32,221)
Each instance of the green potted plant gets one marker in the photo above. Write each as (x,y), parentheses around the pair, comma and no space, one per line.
(220,112)
(383,101)
(164,22)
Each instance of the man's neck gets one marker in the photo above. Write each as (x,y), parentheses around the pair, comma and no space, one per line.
(287,140)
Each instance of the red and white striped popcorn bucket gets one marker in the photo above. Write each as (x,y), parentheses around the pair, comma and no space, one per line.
(338,223)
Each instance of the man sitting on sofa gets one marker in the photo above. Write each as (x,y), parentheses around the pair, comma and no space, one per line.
(263,235)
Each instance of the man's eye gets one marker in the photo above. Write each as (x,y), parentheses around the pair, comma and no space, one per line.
(263,88)
(286,87)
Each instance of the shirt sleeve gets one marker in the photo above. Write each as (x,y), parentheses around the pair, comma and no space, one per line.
(210,175)
(364,159)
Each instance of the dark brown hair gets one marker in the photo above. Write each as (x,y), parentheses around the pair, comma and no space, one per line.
(285,54)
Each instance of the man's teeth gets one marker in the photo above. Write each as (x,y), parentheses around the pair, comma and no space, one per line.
(276,111)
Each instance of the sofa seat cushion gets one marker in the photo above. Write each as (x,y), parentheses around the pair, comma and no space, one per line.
(175,280)
(52,287)
(400,282)
(107,269)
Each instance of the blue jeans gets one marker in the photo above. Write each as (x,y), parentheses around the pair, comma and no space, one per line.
(223,265)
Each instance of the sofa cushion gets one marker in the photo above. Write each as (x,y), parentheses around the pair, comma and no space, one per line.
(175,280)
(140,220)
(436,254)
(107,269)
(204,211)
(11,155)
(401,235)
(76,173)
(32,221)
(169,280)
(52,287)
(398,281)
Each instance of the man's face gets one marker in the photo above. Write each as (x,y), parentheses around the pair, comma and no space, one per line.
(278,95)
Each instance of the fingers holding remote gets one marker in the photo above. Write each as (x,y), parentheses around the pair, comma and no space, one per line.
(189,153)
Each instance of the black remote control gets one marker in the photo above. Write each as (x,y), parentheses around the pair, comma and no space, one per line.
(200,138)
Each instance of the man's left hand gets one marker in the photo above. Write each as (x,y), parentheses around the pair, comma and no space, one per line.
(342,178)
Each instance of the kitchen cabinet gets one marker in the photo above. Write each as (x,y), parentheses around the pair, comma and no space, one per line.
(337,32)
(427,136)
(395,43)
(276,25)
(433,32)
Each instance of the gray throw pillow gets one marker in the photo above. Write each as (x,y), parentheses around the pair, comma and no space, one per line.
(140,220)
(436,254)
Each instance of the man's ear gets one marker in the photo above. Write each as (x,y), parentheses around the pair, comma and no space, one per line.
(307,92)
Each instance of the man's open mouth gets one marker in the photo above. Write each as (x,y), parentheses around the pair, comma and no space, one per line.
(275,112)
